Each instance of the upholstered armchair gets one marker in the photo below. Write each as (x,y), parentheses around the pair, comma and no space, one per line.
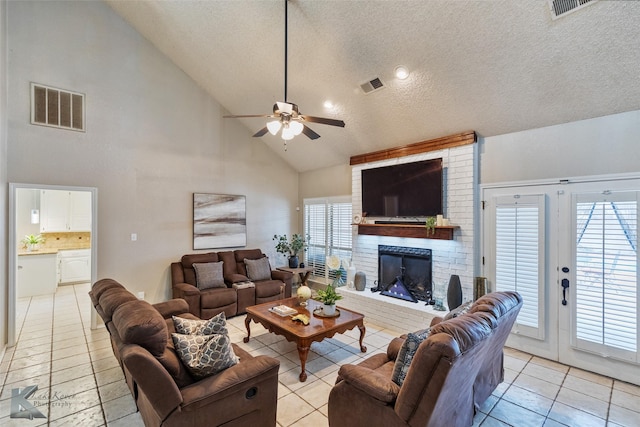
(444,381)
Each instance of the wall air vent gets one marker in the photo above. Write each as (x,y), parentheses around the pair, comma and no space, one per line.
(561,8)
(372,85)
(57,108)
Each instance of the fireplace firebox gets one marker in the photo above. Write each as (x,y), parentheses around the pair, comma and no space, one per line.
(404,273)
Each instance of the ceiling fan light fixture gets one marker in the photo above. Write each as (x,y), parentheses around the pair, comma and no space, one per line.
(296,127)
(401,72)
(274,126)
(287,133)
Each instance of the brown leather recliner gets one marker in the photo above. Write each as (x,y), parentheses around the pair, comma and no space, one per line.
(452,372)
(165,392)
(209,302)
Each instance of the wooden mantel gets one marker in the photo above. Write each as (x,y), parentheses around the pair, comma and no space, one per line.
(407,230)
(450,141)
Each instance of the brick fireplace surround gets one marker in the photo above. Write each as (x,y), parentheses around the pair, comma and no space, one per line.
(455,256)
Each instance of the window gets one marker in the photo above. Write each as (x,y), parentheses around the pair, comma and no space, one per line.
(327,222)
(606,274)
(519,264)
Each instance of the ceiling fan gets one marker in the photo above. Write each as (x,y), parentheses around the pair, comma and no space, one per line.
(287,117)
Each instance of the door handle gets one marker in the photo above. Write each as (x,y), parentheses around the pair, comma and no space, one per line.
(565,285)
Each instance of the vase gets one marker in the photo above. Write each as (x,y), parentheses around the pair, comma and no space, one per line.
(293,261)
(303,293)
(351,275)
(454,292)
(329,309)
(360,281)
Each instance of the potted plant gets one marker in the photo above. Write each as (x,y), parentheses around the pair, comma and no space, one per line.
(291,248)
(31,241)
(329,296)
(430,224)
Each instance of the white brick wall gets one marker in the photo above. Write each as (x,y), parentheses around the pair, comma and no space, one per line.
(449,256)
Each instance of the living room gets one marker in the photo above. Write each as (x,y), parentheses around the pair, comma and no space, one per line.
(154,137)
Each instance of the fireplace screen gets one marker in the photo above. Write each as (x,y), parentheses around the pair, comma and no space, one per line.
(404,273)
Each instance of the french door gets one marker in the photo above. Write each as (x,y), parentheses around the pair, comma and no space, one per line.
(571,251)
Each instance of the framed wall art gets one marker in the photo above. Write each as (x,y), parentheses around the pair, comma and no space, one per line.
(219,221)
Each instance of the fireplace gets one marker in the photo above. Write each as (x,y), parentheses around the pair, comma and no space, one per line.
(404,273)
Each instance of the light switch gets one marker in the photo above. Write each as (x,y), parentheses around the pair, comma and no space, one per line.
(134,237)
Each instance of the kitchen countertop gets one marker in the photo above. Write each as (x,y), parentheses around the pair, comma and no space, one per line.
(46,251)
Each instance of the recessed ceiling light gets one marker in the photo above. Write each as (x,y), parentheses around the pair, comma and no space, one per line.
(328,104)
(401,72)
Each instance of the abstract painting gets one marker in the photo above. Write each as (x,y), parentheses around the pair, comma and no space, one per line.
(219,221)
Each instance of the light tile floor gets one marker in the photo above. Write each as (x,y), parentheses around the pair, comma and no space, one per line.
(80,383)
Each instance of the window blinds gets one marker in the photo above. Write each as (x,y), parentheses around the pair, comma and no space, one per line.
(327,222)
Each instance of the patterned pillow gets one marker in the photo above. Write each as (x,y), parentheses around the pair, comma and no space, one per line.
(406,353)
(215,325)
(459,311)
(209,275)
(258,269)
(204,355)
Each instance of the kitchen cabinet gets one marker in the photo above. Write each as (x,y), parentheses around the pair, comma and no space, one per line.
(36,275)
(63,211)
(74,266)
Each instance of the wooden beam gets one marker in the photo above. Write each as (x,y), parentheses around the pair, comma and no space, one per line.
(450,141)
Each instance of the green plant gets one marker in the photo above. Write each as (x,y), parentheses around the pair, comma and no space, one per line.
(297,244)
(430,224)
(329,296)
(32,239)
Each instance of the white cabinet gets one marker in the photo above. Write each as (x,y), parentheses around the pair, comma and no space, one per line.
(36,275)
(63,211)
(74,266)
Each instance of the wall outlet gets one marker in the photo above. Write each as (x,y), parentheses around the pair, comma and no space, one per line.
(141,295)
(134,237)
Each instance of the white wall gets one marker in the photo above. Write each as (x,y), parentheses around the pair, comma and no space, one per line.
(3,175)
(604,145)
(153,139)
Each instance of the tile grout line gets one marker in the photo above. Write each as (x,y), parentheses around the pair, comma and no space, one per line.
(93,370)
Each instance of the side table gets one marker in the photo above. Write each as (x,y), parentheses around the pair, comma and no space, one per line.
(303,273)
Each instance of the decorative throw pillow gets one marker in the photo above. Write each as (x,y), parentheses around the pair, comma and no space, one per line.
(209,275)
(459,311)
(258,269)
(204,355)
(406,353)
(216,325)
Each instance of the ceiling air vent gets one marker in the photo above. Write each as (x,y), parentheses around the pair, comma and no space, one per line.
(57,108)
(372,85)
(561,8)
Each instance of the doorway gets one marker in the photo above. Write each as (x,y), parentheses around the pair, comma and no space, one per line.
(570,250)
(56,219)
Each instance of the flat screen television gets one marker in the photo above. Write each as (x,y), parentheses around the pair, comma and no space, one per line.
(404,190)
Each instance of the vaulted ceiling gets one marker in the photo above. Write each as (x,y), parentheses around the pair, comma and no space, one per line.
(491,66)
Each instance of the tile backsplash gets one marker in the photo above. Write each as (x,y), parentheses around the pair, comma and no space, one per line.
(66,240)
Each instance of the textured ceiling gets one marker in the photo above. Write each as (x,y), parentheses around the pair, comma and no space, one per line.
(490,66)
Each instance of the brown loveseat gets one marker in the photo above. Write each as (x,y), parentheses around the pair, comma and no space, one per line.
(452,371)
(165,392)
(233,298)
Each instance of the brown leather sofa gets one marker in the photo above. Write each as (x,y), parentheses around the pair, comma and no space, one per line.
(165,392)
(209,302)
(453,370)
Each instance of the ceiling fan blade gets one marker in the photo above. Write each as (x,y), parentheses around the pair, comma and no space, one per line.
(310,133)
(261,132)
(322,120)
(244,116)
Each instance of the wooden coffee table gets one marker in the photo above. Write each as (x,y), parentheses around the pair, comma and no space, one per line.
(318,328)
